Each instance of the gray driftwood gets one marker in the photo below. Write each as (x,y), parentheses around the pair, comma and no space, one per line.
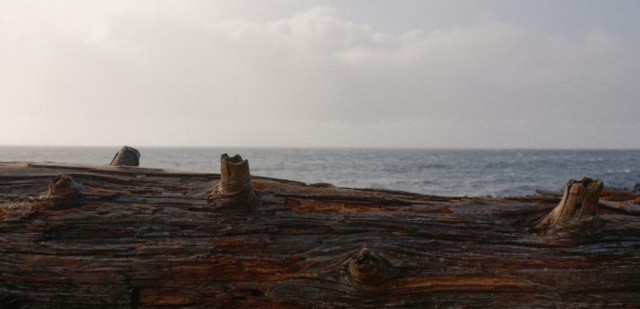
(127,156)
(151,238)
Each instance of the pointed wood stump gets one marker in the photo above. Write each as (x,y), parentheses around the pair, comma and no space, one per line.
(578,207)
(127,156)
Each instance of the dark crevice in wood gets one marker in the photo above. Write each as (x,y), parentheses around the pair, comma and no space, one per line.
(135,298)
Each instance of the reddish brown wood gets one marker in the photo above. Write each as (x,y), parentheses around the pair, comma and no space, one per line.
(151,238)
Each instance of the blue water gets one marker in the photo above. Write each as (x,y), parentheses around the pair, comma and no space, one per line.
(440,172)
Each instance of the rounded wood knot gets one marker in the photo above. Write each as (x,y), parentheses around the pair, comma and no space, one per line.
(63,190)
(127,156)
(368,268)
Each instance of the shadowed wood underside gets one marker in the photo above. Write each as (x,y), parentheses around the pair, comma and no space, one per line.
(150,238)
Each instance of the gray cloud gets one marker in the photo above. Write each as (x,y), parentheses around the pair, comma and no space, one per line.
(156,73)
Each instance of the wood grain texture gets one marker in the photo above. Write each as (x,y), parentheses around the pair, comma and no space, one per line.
(150,238)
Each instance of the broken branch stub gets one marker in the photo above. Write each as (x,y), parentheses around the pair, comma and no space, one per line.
(579,204)
(127,156)
(63,191)
(235,181)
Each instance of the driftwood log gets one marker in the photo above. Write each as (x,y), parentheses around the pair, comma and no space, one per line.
(86,236)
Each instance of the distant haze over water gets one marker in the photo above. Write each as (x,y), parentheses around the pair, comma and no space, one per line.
(428,171)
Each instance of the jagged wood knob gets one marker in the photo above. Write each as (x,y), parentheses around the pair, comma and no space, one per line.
(63,190)
(579,203)
(235,185)
(234,176)
(127,156)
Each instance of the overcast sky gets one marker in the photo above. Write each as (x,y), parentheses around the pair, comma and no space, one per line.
(419,74)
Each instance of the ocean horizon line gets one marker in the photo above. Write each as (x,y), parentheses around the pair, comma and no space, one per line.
(319,147)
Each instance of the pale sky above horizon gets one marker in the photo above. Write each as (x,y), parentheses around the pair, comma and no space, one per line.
(276,73)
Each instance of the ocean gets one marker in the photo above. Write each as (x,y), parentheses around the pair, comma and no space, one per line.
(496,173)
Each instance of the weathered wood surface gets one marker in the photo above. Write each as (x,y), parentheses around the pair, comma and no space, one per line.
(150,238)
(578,209)
(127,156)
